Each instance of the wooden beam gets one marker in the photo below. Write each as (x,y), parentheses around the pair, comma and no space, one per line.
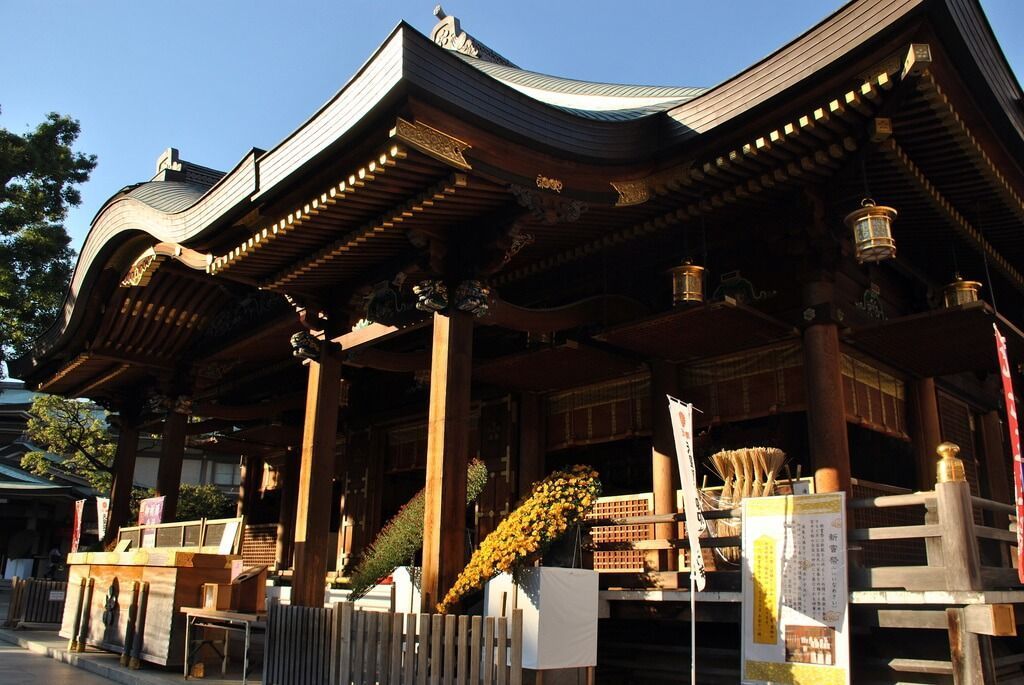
(251,481)
(447,456)
(172,452)
(124,475)
(284,550)
(313,510)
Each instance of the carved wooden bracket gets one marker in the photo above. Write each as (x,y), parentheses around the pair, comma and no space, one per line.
(146,264)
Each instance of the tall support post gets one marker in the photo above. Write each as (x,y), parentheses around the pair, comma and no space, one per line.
(316,475)
(251,480)
(124,476)
(444,521)
(997,464)
(284,551)
(172,452)
(531,441)
(826,411)
(923,408)
(664,381)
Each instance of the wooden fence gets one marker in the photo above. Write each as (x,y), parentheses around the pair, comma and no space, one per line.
(342,646)
(36,603)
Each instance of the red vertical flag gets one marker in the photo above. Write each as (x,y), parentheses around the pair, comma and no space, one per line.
(1011,421)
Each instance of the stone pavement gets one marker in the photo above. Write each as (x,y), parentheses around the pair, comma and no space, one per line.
(19,667)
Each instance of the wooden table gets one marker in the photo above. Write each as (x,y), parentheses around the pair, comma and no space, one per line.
(228,621)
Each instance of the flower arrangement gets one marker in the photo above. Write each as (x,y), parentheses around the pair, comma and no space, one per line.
(402,536)
(559,501)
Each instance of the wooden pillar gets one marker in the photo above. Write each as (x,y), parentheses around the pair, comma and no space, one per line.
(172,452)
(250,483)
(124,477)
(924,428)
(284,552)
(316,476)
(997,464)
(664,381)
(531,441)
(444,524)
(826,411)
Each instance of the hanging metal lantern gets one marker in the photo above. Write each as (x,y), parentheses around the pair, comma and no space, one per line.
(687,283)
(872,231)
(960,292)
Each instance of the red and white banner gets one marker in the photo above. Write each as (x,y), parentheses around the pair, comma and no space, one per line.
(102,512)
(76,530)
(682,428)
(1011,422)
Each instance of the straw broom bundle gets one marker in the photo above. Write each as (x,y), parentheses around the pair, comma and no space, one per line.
(747,472)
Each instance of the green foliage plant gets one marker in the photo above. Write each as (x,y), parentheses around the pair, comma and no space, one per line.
(402,536)
(77,433)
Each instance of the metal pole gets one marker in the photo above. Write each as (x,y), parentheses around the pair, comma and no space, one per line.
(693,629)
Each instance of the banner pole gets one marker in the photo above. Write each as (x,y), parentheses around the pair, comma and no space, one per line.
(693,630)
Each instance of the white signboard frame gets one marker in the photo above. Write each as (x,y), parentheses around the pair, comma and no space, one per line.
(795,596)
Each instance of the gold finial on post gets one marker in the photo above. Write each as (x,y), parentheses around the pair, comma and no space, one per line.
(950,468)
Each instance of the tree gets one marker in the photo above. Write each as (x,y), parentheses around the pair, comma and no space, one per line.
(74,432)
(194,502)
(39,173)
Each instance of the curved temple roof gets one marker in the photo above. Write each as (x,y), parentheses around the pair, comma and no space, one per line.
(605,126)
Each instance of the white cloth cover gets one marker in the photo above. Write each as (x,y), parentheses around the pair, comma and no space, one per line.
(559,615)
(407,593)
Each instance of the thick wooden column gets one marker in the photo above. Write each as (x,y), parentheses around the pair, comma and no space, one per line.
(124,476)
(316,475)
(444,521)
(664,381)
(172,452)
(924,427)
(826,411)
(284,552)
(997,465)
(249,488)
(531,441)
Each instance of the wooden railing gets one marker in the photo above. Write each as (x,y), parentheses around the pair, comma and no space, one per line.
(35,603)
(340,645)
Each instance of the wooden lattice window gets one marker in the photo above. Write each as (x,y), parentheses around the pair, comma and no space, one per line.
(603,412)
(874,398)
(640,504)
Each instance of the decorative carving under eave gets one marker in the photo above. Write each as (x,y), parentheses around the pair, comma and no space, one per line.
(520,240)
(472,297)
(157,404)
(871,303)
(430,141)
(448,34)
(631,192)
(737,288)
(551,209)
(431,296)
(146,264)
(384,303)
(305,346)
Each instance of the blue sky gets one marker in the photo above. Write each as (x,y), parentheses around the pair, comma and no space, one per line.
(217,77)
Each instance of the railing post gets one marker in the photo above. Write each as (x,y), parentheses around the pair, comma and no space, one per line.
(970,653)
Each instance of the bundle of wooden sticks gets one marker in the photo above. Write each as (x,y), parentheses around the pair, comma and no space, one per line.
(746,472)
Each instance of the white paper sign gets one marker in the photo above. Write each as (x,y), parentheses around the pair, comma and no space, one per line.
(795,599)
(682,428)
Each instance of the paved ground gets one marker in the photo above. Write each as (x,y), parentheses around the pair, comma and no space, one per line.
(21,667)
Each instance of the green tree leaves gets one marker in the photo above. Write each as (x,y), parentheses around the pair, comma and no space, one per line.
(39,175)
(77,434)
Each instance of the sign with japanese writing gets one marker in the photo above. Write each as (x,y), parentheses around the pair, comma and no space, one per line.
(151,510)
(682,428)
(1018,465)
(795,599)
(76,530)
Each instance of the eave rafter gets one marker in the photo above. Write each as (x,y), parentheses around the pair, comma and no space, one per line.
(145,265)
(970,233)
(64,371)
(437,194)
(784,150)
(811,146)
(338,192)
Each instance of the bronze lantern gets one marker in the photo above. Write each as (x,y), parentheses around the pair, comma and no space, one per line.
(960,292)
(872,231)
(687,283)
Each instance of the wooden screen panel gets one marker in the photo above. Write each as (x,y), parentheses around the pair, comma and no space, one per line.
(873,397)
(495,435)
(259,543)
(956,423)
(603,412)
(640,504)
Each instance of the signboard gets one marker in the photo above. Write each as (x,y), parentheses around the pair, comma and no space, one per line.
(795,599)
(102,511)
(76,529)
(151,510)
(682,428)
(1011,423)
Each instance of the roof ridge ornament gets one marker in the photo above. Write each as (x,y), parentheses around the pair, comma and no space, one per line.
(448,34)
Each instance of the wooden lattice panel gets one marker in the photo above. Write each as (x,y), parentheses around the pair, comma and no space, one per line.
(259,544)
(619,507)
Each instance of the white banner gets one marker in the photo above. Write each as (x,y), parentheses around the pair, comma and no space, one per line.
(102,512)
(795,602)
(682,428)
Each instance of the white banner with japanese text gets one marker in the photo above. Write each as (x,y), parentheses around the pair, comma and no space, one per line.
(682,429)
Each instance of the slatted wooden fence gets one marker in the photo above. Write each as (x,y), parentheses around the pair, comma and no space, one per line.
(36,602)
(342,646)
